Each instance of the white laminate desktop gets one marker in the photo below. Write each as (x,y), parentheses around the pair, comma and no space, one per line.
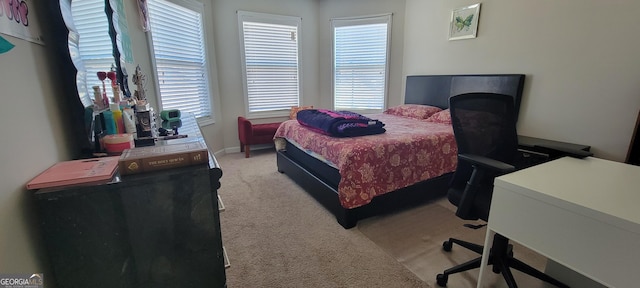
(581,213)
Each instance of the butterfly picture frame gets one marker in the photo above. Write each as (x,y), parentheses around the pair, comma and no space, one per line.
(464,22)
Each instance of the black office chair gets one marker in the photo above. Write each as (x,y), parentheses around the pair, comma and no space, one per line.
(485,130)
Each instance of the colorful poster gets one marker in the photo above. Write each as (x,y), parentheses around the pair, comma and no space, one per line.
(18,19)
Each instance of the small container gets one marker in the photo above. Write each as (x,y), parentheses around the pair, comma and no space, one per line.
(116,143)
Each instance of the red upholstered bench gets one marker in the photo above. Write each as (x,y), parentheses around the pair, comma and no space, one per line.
(251,134)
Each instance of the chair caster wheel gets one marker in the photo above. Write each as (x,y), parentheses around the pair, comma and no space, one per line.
(442,279)
(495,269)
(447,245)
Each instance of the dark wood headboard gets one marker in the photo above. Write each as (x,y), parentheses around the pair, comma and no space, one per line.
(435,90)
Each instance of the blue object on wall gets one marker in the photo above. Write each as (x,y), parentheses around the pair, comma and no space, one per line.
(5,46)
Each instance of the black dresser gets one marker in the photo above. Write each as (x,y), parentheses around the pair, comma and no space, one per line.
(157,229)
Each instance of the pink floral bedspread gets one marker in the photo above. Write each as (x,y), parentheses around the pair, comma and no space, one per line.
(409,152)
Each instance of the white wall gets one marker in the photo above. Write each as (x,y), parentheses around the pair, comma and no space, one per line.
(580,58)
(32,139)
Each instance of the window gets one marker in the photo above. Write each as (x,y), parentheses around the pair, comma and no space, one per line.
(180,61)
(360,62)
(95,46)
(271,70)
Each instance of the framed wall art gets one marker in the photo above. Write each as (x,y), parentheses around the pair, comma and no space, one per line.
(464,22)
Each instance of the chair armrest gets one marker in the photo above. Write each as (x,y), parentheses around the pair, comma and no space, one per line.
(487,163)
(483,169)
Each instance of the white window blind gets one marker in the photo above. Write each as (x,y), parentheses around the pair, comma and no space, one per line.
(94,43)
(270,49)
(180,61)
(360,62)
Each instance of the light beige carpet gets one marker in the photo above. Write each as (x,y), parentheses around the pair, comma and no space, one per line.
(276,235)
(414,238)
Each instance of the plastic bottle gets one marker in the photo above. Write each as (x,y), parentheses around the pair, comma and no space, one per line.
(97,96)
(117,117)
(109,122)
(129,122)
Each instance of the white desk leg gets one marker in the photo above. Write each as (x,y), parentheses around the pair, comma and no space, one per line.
(488,241)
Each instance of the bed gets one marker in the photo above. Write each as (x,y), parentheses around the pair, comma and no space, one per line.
(318,172)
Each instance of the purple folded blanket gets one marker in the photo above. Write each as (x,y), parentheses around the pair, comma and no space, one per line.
(339,123)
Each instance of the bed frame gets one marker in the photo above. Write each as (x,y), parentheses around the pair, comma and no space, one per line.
(321,181)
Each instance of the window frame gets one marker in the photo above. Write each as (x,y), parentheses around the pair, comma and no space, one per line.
(197,7)
(268,19)
(356,21)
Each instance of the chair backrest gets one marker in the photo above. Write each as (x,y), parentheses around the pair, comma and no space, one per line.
(484,124)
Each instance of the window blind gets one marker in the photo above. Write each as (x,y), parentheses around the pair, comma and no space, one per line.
(270,57)
(360,62)
(94,43)
(180,62)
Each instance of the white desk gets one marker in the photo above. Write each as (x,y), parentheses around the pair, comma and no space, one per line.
(581,213)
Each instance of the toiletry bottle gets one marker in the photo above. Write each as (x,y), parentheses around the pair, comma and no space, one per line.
(116,94)
(117,117)
(128,115)
(110,123)
(97,96)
